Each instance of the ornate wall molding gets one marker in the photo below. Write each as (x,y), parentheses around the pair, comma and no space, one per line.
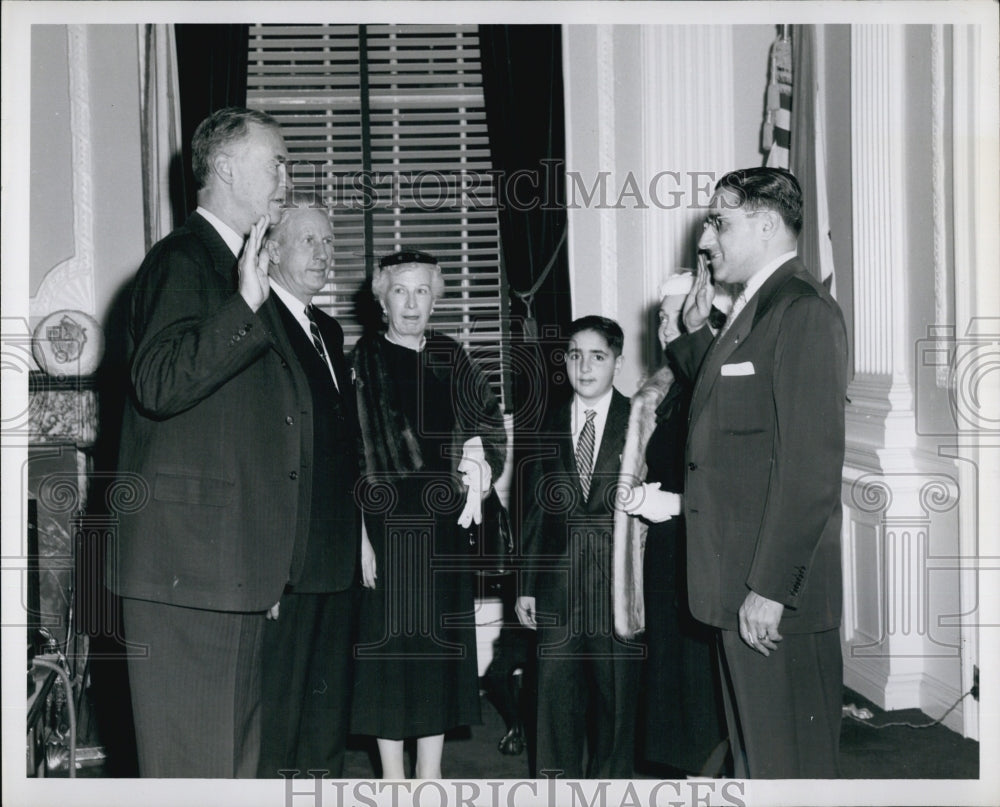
(895,560)
(70,284)
(942,282)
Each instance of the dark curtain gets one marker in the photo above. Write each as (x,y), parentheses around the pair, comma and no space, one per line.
(802,153)
(523,86)
(212,74)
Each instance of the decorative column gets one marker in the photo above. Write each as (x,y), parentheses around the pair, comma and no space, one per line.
(900,499)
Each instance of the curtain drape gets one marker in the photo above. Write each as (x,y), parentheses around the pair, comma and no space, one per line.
(212,74)
(523,88)
(159,100)
(808,156)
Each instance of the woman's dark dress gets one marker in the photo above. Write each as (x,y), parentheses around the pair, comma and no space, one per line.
(680,716)
(416,672)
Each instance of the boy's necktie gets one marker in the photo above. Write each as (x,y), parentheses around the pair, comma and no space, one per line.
(585,452)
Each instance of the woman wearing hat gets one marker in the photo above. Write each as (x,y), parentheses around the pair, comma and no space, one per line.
(433,441)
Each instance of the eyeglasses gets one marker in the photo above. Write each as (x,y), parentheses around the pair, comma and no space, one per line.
(717,223)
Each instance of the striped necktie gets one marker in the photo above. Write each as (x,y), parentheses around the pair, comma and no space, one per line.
(585,452)
(314,330)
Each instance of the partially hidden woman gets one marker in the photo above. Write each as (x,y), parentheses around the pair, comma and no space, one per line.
(433,441)
(680,720)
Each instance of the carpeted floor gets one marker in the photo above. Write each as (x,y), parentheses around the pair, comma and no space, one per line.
(866,751)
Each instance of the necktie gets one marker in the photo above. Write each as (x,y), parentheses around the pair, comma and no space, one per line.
(585,452)
(734,312)
(314,330)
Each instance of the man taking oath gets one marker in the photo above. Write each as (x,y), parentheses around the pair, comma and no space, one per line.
(762,484)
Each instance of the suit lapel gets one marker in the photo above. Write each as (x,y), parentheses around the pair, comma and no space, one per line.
(335,350)
(562,425)
(724,346)
(609,454)
(271,317)
(222,257)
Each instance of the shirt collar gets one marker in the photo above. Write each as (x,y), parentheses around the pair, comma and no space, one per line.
(762,274)
(232,238)
(601,406)
(292,303)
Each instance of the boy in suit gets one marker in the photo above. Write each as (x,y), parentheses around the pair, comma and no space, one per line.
(586,675)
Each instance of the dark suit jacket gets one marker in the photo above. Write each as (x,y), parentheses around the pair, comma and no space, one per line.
(216,437)
(327,540)
(764,454)
(553,500)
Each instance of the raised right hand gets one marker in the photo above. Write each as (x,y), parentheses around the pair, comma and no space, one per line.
(254,282)
(698,303)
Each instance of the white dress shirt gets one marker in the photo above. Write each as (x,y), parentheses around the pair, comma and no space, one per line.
(298,310)
(579,419)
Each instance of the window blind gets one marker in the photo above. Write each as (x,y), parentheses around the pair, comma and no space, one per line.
(386,127)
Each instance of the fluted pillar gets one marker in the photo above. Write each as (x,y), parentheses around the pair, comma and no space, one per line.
(880,417)
(900,499)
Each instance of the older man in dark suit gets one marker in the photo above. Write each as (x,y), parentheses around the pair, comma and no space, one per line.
(218,434)
(762,488)
(308,640)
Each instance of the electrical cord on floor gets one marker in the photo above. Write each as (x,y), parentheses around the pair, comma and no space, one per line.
(906,723)
(70,708)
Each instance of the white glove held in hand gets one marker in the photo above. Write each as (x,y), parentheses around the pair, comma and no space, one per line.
(477,476)
(653,504)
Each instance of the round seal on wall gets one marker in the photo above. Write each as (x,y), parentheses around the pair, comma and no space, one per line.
(68,343)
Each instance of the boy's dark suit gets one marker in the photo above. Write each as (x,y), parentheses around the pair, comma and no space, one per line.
(586,675)
(765,452)
(307,650)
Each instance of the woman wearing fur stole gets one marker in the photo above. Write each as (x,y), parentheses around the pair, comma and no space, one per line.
(433,441)
(680,719)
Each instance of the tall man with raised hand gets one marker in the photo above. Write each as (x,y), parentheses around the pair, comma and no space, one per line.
(214,430)
(762,487)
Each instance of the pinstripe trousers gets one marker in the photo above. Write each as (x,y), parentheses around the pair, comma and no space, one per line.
(194,677)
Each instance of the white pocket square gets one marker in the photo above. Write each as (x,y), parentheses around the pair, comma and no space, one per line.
(743,368)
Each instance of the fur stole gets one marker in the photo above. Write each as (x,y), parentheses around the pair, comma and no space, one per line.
(390,442)
(630,533)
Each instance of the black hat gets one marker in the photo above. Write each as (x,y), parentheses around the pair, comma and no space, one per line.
(406,256)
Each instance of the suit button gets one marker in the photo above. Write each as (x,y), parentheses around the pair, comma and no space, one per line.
(692,466)
(242,331)
(293,475)
(284,364)
(289,420)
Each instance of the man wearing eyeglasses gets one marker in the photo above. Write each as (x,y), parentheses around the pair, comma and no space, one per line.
(762,484)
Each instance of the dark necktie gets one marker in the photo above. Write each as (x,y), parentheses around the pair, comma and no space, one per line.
(314,330)
(716,318)
(585,452)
